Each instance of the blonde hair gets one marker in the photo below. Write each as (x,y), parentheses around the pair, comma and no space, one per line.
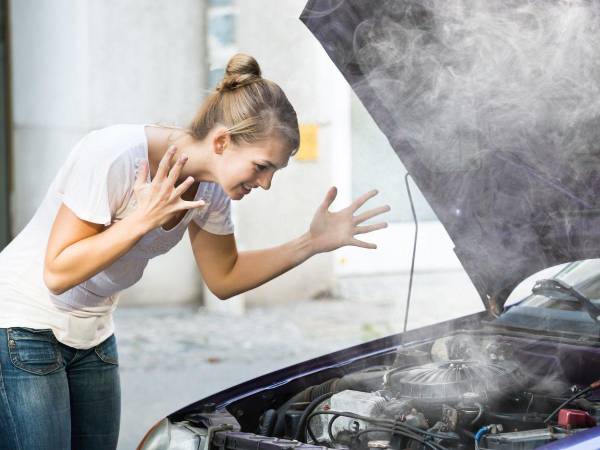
(252,108)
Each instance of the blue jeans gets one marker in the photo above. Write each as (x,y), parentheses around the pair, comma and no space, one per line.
(56,397)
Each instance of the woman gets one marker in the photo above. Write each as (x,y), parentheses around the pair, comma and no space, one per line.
(127,193)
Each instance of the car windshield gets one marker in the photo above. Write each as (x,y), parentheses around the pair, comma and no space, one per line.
(551,307)
(583,276)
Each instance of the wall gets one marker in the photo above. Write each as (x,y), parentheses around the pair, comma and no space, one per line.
(79,66)
(271,31)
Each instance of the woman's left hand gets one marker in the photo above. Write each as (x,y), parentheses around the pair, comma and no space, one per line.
(332,230)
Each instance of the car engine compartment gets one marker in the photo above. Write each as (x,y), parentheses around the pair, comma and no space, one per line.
(464,384)
(457,393)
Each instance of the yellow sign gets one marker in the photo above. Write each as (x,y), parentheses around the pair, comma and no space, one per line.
(309,143)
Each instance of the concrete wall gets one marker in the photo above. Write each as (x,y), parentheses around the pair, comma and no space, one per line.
(82,65)
(288,54)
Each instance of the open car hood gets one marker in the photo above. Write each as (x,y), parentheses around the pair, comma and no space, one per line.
(493,108)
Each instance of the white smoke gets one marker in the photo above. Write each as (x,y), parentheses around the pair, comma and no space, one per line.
(470,76)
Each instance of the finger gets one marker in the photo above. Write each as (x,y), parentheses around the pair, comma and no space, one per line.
(371,213)
(142,174)
(329,198)
(192,204)
(363,198)
(165,164)
(176,169)
(363,244)
(183,186)
(369,228)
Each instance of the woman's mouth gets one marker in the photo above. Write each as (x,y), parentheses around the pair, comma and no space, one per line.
(246,188)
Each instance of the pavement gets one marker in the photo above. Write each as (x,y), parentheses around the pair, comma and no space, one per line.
(173,356)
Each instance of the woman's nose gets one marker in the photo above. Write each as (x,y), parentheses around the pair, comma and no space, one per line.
(265,181)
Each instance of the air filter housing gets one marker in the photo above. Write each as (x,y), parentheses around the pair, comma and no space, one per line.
(447,381)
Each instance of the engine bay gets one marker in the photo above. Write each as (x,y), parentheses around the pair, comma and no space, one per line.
(456,393)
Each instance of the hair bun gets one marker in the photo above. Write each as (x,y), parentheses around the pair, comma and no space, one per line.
(241,70)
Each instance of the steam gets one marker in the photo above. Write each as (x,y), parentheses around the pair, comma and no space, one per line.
(467,77)
(323,7)
(543,370)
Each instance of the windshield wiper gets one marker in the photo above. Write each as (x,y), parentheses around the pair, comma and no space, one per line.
(555,285)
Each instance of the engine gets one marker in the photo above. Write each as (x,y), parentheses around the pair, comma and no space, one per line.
(481,400)
(426,402)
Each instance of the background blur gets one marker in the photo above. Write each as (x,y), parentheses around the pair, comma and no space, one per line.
(71,66)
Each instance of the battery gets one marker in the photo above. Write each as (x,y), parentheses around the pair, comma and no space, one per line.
(575,418)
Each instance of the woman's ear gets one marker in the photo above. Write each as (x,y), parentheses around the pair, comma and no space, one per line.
(220,139)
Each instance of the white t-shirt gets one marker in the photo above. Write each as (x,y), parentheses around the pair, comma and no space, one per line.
(96,183)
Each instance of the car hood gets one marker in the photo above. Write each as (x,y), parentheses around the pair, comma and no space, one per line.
(493,109)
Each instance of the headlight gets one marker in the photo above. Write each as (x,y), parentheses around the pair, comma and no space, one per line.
(171,436)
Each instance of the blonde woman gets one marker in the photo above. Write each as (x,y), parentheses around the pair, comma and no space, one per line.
(126,194)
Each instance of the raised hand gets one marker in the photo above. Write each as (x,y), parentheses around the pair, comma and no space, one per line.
(160,200)
(332,230)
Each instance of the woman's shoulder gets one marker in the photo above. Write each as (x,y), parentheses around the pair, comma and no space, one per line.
(117,137)
(106,146)
(97,177)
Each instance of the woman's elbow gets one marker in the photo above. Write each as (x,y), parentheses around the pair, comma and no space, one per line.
(53,283)
(220,293)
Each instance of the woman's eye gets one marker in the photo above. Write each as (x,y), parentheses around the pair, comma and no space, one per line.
(259,167)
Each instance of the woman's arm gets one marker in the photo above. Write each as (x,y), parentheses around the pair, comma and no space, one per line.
(77,249)
(228,272)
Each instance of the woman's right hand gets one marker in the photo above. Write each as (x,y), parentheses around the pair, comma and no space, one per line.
(160,200)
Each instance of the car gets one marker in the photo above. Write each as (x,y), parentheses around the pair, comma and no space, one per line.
(492,108)
(502,377)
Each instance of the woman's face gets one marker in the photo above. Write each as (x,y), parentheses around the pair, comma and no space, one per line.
(243,167)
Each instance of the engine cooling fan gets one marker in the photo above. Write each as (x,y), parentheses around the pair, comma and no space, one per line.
(447,381)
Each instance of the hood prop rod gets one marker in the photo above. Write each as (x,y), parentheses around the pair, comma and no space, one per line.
(414,252)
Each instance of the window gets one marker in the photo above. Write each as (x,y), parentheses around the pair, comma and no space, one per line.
(222,16)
